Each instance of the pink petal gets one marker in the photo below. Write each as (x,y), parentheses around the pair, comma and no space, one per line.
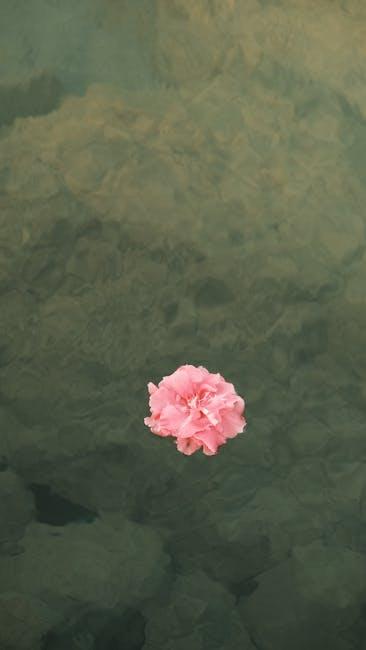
(210,438)
(151,387)
(232,422)
(190,426)
(208,451)
(160,398)
(187,446)
(180,382)
(172,418)
(156,427)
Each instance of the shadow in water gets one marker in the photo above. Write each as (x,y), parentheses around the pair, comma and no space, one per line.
(100,631)
(55,510)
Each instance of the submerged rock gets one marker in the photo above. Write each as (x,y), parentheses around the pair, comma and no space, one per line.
(38,96)
(310,600)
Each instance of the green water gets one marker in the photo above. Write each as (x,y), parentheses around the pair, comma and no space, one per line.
(182,182)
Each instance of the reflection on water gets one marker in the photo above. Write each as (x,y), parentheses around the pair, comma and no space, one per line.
(182,182)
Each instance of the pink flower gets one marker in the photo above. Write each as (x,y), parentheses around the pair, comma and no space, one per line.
(198,408)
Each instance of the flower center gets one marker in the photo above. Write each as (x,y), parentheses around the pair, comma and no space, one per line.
(193,402)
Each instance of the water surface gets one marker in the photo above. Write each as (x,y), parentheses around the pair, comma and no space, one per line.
(182,182)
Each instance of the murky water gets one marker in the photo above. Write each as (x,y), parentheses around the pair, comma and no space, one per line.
(182,182)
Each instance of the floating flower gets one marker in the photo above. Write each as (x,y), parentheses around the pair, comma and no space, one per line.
(197,408)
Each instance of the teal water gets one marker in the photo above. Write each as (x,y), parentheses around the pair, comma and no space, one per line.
(182,183)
